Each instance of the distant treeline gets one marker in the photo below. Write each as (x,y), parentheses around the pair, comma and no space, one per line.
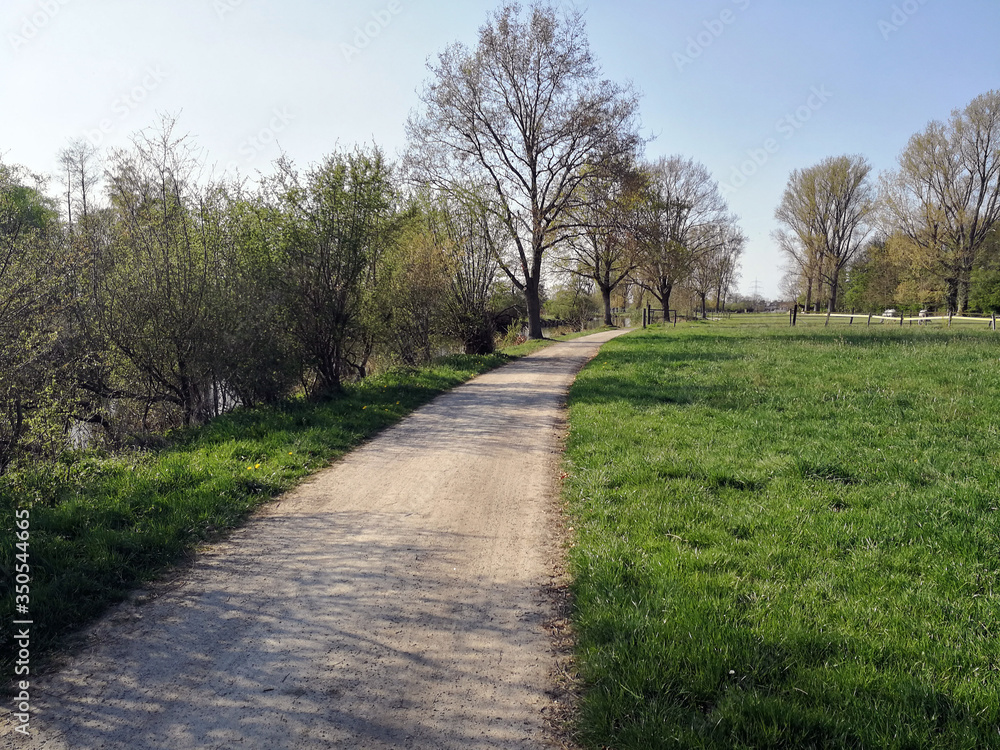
(926,236)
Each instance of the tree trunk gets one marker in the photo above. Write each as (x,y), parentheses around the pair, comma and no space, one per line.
(664,298)
(606,294)
(534,310)
(952,297)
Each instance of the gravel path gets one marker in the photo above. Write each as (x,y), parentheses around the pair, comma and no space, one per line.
(395,600)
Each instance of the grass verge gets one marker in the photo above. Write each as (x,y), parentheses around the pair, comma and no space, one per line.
(788,539)
(101,525)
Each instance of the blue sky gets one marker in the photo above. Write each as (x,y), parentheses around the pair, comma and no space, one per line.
(751,88)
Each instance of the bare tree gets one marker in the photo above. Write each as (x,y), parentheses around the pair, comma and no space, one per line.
(828,209)
(524,113)
(467,233)
(945,197)
(678,218)
(804,259)
(713,269)
(81,175)
(604,249)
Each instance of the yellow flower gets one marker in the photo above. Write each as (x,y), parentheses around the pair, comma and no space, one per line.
(257,466)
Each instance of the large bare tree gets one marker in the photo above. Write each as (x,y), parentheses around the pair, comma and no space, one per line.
(828,212)
(945,197)
(524,113)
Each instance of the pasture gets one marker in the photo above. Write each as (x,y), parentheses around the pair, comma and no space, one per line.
(788,537)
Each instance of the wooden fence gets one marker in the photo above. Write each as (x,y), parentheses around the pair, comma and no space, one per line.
(651,314)
(902,320)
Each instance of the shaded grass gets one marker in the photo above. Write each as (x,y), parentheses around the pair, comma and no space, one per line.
(101,525)
(788,538)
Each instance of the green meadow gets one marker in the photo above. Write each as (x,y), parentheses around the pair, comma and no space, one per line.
(788,538)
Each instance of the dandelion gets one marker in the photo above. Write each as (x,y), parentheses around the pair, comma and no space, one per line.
(257,466)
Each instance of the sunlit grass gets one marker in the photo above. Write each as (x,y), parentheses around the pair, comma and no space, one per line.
(788,538)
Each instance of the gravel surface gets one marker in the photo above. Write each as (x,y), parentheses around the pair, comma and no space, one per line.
(395,600)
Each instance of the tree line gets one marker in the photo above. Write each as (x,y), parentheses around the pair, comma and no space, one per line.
(924,235)
(141,292)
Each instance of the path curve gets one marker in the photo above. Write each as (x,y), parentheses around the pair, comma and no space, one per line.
(394,600)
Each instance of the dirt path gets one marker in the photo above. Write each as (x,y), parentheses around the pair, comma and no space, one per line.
(395,600)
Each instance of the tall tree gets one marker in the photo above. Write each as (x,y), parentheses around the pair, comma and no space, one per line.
(81,175)
(945,197)
(677,222)
(829,210)
(523,113)
(604,248)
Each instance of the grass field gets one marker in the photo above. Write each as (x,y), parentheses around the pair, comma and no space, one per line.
(788,538)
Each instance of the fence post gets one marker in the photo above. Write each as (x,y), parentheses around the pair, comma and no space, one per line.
(827,323)
(949,318)
(870,319)
(994,321)
(644,318)
(902,317)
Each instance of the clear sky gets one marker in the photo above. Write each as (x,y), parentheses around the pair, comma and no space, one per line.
(751,88)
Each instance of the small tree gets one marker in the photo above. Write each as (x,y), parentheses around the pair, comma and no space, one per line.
(470,239)
(35,389)
(416,292)
(155,278)
(336,222)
